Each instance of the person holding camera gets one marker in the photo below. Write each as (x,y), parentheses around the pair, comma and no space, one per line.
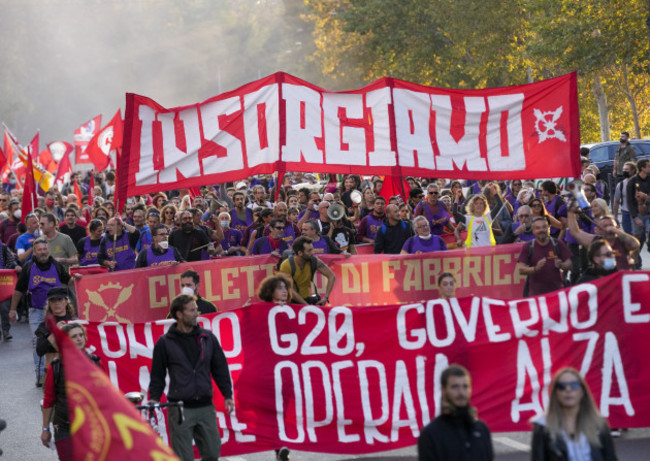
(301,267)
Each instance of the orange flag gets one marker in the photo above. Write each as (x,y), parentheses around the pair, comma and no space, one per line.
(77,192)
(104,426)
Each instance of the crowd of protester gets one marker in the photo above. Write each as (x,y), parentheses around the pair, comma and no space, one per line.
(256,216)
(569,236)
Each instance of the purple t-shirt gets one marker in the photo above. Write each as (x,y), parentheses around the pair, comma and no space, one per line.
(549,278)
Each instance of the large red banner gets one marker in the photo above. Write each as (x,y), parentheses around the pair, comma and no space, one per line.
(141,295)
(359,380)
(390,127)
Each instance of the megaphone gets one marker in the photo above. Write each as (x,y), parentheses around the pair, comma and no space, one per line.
(335,211)
(356,196)
(575,187)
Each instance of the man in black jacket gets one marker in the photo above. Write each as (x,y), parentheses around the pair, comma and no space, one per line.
(193,357)
(457,434)
(391,236)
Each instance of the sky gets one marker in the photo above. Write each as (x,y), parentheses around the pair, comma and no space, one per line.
(66,61)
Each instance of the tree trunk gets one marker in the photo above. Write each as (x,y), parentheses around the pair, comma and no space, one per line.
(603,110)
(630,98)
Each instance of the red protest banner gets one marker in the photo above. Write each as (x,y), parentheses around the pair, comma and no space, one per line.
(8,279)
(145,294)
(359,380)
(390,127)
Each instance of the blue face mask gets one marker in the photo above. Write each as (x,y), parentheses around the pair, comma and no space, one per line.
(609,264)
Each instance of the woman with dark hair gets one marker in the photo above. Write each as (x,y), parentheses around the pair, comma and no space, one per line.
(100,213)
(58,305)
(55,402)
(572,428)
(446,285)
(457,196)
(88,247)
(602,261)
(276,289)
(350,182)
(539,210)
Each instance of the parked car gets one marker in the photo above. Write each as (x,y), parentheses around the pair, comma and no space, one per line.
(602,154)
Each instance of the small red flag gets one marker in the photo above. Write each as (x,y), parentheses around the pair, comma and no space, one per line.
(65,166)
(91,189)
(395,185)
(30,197)
(107,139)
(77,192)
(83,135)
(103,424)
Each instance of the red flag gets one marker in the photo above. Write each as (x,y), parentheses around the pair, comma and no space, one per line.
(395,185)
(65,166)
(3,159)
(106,140)
(103,424)
(82,136)
(30,197)
(77,192)
(91,189)
(14,161)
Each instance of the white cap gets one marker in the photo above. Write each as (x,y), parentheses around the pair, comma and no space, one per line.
(241,185)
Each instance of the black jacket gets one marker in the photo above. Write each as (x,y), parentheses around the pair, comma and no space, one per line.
(592,273)
(390,239)
(192,359)
(455,437)
(545,449)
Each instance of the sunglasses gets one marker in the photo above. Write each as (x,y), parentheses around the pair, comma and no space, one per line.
(609,254)
(573,385)
(434,193)
(536,205)
(279,228)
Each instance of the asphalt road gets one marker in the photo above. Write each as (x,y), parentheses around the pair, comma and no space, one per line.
(20,407)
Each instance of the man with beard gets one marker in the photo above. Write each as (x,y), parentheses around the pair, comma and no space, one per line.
(61,246)
(241,216)
(36,279)
(624,153)
(622,244)
(301,267)
(543,261)
(159,253)
(193,357)
(189,240)
(522,230)
(457,433)
(190,283)
(8,227)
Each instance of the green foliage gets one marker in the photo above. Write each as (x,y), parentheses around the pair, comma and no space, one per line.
(475,44)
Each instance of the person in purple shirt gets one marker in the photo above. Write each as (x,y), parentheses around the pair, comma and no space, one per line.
(159,253)
(241,217)
(274,244)
(371,223)
(434,210)
(424,241)
(522,229)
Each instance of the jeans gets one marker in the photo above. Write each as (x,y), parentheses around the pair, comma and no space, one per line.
(200,424)
(36,316)
(626,222)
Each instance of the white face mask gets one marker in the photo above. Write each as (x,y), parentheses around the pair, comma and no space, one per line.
(224,224)
(164,244)
(18,214)
(187,291)
(425,237)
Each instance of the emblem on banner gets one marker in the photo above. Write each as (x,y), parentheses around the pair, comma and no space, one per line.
(87,416)
(546,125)
(109,297)
(105,140)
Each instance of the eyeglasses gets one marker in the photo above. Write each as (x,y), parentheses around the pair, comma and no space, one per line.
(573,385)
(169,212)
(524,216)
(516,184)
(434,193)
